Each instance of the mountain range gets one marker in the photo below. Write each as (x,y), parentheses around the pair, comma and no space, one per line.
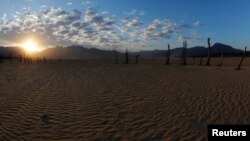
(80,52)
(196,51)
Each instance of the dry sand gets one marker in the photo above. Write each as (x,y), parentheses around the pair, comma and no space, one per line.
(93,100)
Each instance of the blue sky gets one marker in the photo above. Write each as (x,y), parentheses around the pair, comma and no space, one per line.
(139,24)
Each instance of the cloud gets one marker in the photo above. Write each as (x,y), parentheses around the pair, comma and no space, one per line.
(198,23)
(89,27)
(89,13)
(86,2)
(134,23)
(125,19)
(196,36)
(193,37)
(98,20)
(182,38)
(104,12)
(69,3)
(160,29)
(184,26)
(135,12)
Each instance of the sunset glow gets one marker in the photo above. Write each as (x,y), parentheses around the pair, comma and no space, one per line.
(31,46)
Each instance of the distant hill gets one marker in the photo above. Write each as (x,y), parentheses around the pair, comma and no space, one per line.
(79,52)
(195,51)
(228,50)
(11,51)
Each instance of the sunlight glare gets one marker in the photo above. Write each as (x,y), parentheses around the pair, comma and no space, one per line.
(31,46)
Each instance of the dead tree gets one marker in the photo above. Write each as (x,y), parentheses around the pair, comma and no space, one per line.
(243,57)
(29,60)
(116,59)
(126,57)
(184,53)
(201,60)
(168,56)
(44,60)
(136,58)
(1,61)
(185,63)
(194,58)
(208,52)
(37,59)
(221,57)
(20,58)
(11,58)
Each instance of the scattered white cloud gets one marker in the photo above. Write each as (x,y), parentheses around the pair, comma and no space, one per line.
(86,2)
(184,26)
(69,3)
(196,36)
(104,12)
(161,29)
(134,23)
(198,23)
(90,27)
(135,13)
(182,38)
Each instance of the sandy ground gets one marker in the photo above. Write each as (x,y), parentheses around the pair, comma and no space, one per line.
(94,100)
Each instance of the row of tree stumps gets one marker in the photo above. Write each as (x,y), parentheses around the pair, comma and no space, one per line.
(127,58)
(243,57)
(184,55)
(27,60)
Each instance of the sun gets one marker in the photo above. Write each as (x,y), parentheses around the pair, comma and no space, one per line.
(31,46)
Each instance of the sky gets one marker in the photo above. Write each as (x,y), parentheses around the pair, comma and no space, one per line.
(121,24)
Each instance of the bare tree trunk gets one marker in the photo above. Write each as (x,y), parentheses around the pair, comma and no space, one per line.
(243,56)
(201,60)
(182,58)
(44,60)
(168,56)
(184,54)
(11,58)
(208,54)
(194,58)
(20,58)
(221,57)
(136,58)
(1,61)
(126,57)
(116,59)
